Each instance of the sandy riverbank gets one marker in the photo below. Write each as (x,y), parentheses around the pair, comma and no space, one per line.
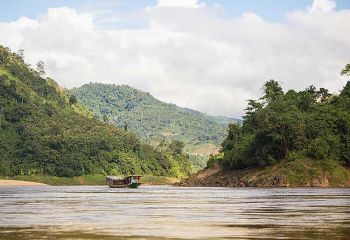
(75,181)
(19,183)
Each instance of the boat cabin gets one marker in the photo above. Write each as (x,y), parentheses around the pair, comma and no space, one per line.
(132,181)
(133,177)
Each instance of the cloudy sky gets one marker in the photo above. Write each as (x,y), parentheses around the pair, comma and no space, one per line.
(209,55)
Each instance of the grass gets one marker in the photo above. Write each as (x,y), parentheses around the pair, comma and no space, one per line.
(158,180)
(88,180)
(300,172)
(306,170)
(338,175)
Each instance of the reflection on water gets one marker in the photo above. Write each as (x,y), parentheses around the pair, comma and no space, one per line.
(159,212)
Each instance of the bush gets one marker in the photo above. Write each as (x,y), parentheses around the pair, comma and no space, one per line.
(318,149)
(214,160)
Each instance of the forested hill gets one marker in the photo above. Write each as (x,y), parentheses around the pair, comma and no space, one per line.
(43,131)
(289,125)
(293,138)
(152,119)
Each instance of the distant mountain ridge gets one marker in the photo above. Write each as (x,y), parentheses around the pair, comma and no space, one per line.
(151,118)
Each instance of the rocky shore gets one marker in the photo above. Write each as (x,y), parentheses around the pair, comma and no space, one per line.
(273,176)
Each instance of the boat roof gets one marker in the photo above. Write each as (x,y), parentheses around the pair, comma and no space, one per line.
(114,177)
(120,178)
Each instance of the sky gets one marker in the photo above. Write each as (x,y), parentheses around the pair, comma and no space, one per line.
(208,55)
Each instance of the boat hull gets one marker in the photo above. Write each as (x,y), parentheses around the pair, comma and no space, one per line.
(131,185)
(134,185)
(118,186)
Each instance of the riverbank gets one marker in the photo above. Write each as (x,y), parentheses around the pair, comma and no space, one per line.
(81,180)
(297,173)
(19,183)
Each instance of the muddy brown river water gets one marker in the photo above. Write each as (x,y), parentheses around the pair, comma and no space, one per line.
(165,212)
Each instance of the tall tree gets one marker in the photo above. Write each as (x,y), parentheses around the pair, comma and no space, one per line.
(72,100)
(346,70)
(40,68)
(272,90)
(21,53)
(105,118)
(176,147)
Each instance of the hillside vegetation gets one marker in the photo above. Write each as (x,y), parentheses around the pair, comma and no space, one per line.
(43,131)
(287,139)
(310,123)
(153,120)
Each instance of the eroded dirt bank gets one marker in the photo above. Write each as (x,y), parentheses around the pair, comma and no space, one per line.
(273,176)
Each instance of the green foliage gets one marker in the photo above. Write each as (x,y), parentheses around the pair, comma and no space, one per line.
(88,180)
(149,118)
(272,91)
(43,131)
(346,70)
(40,68)
(292,125)
(72,100)
(176,147)
(318,148)
(214,160)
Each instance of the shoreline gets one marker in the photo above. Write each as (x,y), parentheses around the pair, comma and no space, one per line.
(19,183)
(301,173)
(87,180)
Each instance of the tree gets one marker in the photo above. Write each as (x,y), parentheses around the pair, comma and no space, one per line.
(72,100)
(1,114)
(21,53)
(176,147)
(105,118)
(233,137)
(305,124)
(346,70)
(307,100)
(40,68)
(272,90)
(311,89)
(4,54)
(250,118)
(323,94)
(346,90)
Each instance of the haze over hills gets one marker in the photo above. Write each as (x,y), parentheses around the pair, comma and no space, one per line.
(154,120)
(43,131)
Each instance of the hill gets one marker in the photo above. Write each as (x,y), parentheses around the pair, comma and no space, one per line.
(43,131)
(154,120)
(287,139)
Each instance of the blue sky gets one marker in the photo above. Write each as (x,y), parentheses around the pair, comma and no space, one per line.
(271,10)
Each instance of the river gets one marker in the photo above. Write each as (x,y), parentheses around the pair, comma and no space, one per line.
(165,212)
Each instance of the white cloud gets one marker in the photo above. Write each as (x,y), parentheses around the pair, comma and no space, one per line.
(180,3)
(188,56)
(322,5)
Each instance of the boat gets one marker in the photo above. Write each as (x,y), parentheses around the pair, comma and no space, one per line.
(132,181)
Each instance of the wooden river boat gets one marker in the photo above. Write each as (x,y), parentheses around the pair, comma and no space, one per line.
(132,181)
